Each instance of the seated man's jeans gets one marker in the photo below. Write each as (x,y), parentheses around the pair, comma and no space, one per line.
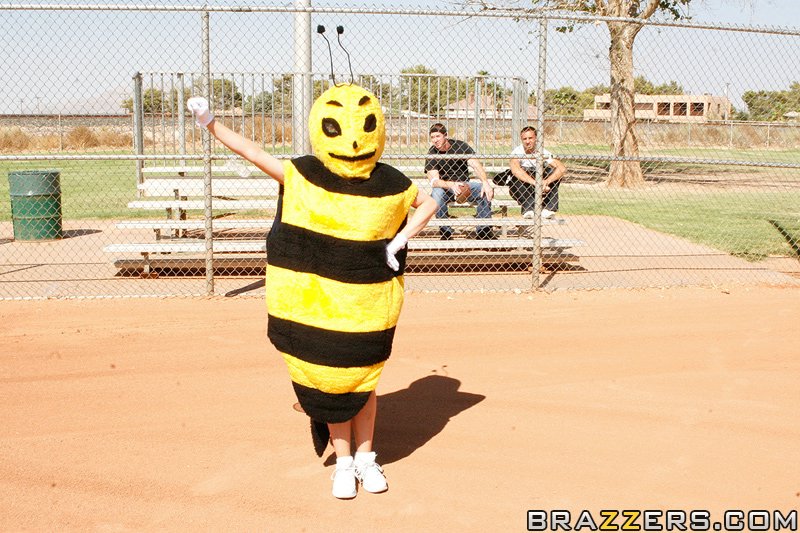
(524,194)
(445,196)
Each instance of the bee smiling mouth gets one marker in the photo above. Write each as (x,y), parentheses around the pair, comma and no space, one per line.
(361,157)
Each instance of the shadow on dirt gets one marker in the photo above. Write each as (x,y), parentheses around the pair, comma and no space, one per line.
(72,233)
(407,419)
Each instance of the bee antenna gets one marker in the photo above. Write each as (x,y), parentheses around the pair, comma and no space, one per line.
(339,31)
(321,31)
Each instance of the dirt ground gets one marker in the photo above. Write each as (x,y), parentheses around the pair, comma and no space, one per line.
(175,414)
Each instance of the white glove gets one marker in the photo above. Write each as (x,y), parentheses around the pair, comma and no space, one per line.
(199,108)
(396,244)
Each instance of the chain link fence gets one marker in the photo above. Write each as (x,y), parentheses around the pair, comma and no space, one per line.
(109,190)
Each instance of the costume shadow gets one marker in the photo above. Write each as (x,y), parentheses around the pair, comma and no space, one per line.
(247,288)
(407,419)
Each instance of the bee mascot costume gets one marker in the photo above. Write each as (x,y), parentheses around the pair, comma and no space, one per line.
(335,261)
(333,302)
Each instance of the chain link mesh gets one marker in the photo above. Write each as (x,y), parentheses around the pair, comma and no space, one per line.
(107,189)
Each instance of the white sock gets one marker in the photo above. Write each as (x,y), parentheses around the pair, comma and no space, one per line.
(365,458)
(344,462)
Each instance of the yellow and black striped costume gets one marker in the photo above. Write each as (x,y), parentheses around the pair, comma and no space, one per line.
(332,301)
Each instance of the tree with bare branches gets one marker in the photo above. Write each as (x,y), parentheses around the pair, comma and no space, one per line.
(624,141)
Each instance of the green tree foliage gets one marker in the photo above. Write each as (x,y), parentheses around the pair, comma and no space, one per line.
(283,92)
(421,91)
(494,91)
(644,86)
(772,105)
(384,91)
(740,114)
(155,101)
(598,89)
(567,102)
(260,103)
(225,94)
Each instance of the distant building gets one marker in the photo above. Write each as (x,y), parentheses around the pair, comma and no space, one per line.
(486,108)
(666,107)
(411,114)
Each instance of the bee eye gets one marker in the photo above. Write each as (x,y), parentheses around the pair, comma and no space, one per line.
(370,123)
(330,127)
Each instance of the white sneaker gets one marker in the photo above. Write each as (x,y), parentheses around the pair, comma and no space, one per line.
(546,213)
(344,481)
(528,214)
(370,474)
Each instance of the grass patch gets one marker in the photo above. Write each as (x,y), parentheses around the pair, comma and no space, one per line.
(89,189)
(737,222)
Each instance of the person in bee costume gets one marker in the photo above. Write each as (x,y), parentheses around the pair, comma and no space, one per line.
(335,269)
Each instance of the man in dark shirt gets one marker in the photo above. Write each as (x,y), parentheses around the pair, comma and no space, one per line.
(450,182)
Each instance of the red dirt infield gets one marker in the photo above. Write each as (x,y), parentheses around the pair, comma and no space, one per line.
(176,414)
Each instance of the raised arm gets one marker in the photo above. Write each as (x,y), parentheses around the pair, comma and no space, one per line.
(235,142)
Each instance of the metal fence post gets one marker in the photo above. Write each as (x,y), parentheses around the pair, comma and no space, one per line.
(301,79)
(138,128)
(536,260)
(207,191)
(60,134)
(476,123)
(730,135)
(519,113)
(181,118)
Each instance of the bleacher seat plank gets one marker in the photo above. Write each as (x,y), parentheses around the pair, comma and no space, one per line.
(222,224)
(496,221)
(495,244)
(199,170)
(231,246)
(219,186)
(187,246)
(200,204)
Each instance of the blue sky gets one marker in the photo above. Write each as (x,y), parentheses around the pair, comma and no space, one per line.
(782,13)
(79,61)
